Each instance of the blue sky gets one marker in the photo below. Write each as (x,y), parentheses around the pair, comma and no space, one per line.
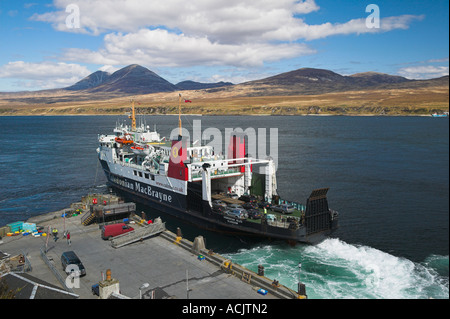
(52,44)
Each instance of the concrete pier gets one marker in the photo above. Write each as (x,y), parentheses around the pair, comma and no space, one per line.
(164,266)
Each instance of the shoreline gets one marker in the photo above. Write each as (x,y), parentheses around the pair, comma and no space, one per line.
(218,115)
(391,101)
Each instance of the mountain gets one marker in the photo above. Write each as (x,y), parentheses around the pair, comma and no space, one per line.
(309,81)
(133,79)
(137,80)
(375,78)
(305,75)
(192,85)
(301,81)
(93,80)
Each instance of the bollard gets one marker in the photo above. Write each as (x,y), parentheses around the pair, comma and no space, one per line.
(260,270)
(301,289)
(108,274)
(199,244)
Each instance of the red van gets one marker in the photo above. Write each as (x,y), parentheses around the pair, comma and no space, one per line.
(109,231)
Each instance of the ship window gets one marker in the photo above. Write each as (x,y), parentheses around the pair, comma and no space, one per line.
(140,174)
(153,177)
(146,175)
(135,173)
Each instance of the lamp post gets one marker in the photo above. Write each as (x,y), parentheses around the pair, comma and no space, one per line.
(187,284)
(301,289)
(299,269)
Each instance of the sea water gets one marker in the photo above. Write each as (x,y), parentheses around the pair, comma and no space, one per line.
(335,269)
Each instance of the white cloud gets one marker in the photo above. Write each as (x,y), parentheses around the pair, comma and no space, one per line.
(201,32)
(109,68)
(297,29)
(227,21)
(424,72)
(44,75)
(230,21)
(162,48)
(438,60)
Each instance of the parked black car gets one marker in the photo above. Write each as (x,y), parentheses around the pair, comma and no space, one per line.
(218,203)
(250,205)
(248,198)
(95,288)
(254,214)
(266,205)
(221,210)
(70,258)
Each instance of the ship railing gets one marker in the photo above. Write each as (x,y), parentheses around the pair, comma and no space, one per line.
(218,172)
(296,205)
(132,165)
(285,222)
(151,170)
(280,224)
(201,159)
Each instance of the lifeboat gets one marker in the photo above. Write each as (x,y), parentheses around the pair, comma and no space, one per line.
(126,140)
(140,149)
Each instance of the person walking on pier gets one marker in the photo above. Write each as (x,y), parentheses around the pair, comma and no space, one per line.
(68,238)
(55,234)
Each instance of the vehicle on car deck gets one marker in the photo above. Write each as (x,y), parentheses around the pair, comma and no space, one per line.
(254,214)
(284,208)
(238,213)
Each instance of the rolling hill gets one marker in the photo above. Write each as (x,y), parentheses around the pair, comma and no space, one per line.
(302,91)
(192,85)
(308,81)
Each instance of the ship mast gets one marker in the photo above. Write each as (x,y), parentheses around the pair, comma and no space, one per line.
(133,116)
(179,115)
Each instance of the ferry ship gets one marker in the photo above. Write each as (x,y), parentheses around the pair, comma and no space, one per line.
(206,189)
